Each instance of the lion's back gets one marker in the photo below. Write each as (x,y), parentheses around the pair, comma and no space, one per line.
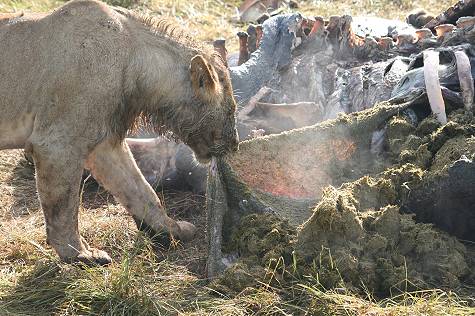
(83,43)
(78,31)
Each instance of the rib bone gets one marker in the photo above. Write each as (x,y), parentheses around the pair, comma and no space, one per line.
(464,71)
(431,78)
(423,34)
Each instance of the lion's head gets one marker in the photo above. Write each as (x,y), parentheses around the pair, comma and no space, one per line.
(206,121)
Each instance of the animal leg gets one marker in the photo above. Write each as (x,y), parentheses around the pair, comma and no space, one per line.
(113,166)
(58,177)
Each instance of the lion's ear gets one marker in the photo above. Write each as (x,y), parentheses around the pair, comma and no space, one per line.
(203,78)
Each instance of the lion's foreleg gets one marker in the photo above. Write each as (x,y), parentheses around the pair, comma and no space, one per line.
(58,175)
(113,166)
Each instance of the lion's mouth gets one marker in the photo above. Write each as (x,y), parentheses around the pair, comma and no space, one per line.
(204,152)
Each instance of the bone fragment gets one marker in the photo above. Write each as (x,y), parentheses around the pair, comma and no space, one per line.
(220,47)
(385,43)
(423,34)
(443,29)
(243,48)
(464,71)
(263,18)
(259,34)
(251,41)
(371,41)
(405,39)
(431,78)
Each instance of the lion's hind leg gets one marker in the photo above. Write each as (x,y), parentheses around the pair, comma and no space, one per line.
(58,175)
(114,167)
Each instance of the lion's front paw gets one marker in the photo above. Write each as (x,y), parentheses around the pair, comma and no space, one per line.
(187,230)
(93,257)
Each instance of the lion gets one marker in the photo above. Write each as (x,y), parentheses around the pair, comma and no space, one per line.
(76,80)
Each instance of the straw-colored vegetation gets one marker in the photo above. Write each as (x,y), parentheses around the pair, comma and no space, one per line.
(144,280)
(211,19)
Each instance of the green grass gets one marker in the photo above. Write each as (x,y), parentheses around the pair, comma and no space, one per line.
(140,281)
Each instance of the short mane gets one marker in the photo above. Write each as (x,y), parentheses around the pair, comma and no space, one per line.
(128,120)
(168,28)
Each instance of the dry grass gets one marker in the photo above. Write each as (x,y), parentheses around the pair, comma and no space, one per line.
(212,19)
(396,9)
(144,280)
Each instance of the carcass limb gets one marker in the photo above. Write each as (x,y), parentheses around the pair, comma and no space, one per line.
(301,113)
(244,112)
(464,71)
(431,78)
(141,143)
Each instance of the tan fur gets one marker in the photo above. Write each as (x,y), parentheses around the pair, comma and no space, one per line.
(73,83)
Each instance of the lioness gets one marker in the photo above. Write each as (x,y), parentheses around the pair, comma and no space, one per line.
(74,81)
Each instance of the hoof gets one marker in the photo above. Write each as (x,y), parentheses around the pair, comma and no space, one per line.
(93,257)
(187,230)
